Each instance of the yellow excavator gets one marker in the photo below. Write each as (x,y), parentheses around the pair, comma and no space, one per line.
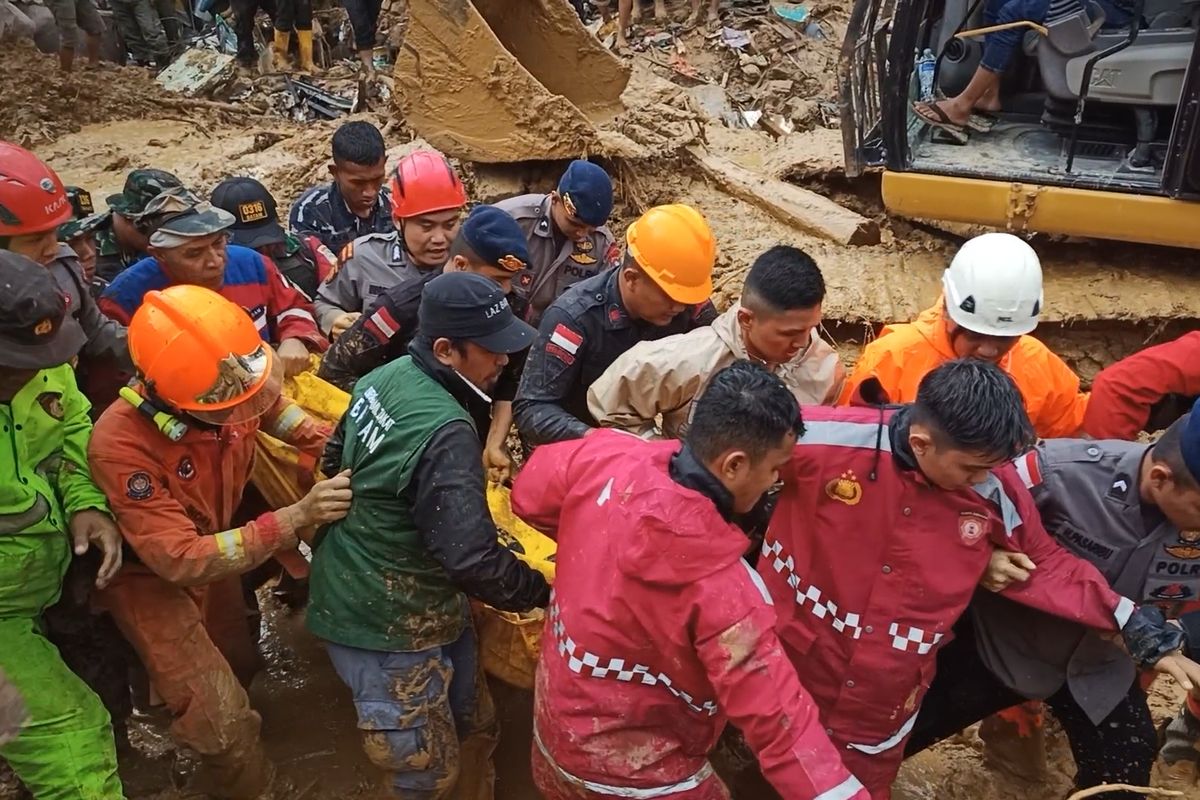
(1097,136)
(506,80)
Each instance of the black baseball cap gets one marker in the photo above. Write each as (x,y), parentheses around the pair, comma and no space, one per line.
(463,305)
(256,216)
(32,310)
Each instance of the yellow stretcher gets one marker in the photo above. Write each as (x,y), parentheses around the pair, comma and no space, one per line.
(508,642)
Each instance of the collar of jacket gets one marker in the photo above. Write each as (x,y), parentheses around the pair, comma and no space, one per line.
(687,471)
(616,316)
(932,322)
(728,330)
(339,207)
(897,433)
(544,226)
(448,379)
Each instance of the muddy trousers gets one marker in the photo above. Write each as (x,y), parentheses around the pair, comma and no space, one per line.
(142,30)
(427,718)
(66,750)
(1121,749)
(244,13)
(183,636)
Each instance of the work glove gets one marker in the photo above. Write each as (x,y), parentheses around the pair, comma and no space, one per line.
(1149,637)
(1179,758)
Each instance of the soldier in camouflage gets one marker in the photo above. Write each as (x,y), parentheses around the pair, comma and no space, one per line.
(122,239)
(79,233)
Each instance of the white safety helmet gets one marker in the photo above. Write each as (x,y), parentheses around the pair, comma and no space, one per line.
(994,286)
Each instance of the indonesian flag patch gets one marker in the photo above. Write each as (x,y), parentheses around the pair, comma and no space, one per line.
(382,325)
(1029,469)
(564,343)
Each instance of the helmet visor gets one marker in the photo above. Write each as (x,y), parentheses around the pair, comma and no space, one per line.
(246,388)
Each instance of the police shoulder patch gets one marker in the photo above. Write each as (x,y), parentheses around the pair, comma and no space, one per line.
(139,486)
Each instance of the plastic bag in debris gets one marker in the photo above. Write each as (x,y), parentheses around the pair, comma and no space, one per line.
(509,642)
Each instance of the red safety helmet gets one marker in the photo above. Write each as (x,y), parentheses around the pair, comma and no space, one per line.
(32,197)
(424,182)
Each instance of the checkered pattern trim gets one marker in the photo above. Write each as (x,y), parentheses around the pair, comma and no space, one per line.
(584,663)
(807,594)
(906,638)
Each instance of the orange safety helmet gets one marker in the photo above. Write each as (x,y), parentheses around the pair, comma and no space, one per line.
(675,247)
(32,197)
(424,182)
(202,355)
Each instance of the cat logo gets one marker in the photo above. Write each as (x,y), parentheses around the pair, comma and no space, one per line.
(1186,547)
(845,489)
(252,212)
(510,263)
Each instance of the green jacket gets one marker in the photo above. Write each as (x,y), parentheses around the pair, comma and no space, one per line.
(374,583)
(44,480)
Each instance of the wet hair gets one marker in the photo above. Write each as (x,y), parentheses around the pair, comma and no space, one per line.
(744,407)
(358,143)
(783,278)
(1168,451)
(973,405)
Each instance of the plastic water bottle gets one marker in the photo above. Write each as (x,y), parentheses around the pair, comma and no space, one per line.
(925,68)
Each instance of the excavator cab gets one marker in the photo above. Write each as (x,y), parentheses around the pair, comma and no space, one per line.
(1097,135)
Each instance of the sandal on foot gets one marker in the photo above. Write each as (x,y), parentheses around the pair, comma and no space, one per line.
(932,114)
(982,122)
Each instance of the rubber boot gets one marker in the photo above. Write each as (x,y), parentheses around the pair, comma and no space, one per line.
(282,40)
(1014,741)
(305,41)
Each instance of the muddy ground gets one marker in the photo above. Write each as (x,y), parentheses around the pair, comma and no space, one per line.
(1103,301)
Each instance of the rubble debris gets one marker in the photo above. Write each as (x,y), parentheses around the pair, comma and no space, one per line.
(309,100)
(197,72)
(806,210)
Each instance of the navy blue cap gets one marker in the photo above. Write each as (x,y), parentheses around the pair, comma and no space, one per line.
(587,192)
(1189,442)
(463,305)
(496,238)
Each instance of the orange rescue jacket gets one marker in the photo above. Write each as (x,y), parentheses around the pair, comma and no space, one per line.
(903,354)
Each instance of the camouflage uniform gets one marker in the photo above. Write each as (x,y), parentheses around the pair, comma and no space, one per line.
(141,186)
(84,222)
(142,28)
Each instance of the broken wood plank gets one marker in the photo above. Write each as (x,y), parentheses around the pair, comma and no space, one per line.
(790,204)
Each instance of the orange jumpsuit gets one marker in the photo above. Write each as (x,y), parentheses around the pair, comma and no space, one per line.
(178,598)
(903,354)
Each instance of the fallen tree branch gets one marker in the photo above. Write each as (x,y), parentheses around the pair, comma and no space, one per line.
(211,105)
(1105,788)
(789,204)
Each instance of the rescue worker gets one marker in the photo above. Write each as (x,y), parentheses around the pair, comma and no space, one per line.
(79,234)
(173,459)
(1146,391)
(427,199)
(191,247)
(876,502)
(148,30)
(661,288)
(990,303)
(297,15)
(490,244)
(417,542)
(50,511)
(356,202)
(302,260)
(72,16)
(33,203)
(649,572)
(120,241)
(568,235)
(776,323)
(1129,509)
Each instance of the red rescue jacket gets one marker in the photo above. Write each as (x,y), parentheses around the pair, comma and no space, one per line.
(870,565)
(658,633)
(1124,393)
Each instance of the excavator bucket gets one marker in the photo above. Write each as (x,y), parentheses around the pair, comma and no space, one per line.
(506,80)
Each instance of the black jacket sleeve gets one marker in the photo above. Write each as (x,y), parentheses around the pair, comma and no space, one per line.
(379,336)
(1190,622)
(704,314)
(448,500)
(352,355)
(510,378)
(549,375)
(331,459)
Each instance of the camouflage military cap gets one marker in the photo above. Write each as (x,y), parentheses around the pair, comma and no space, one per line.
(84,218)
(142,186)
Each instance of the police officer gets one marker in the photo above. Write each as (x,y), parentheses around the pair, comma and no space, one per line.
(121,239)
(79,234)
(569,239)
(489,243)
(303,260)
(662,288)
(1130,510)
(427,201)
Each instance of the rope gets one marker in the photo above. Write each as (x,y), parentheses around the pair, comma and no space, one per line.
(1124,787)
